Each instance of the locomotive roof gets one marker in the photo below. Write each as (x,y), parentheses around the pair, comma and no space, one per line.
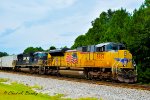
(39,52)
(31,53)
(71,50)
(53,51)
(102,44)
(59,50)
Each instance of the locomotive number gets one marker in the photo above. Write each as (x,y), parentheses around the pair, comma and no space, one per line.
(100,56)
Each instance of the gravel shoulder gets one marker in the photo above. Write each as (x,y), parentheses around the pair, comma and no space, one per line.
(77,89)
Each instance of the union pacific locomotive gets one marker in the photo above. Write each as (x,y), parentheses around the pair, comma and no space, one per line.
(102,61)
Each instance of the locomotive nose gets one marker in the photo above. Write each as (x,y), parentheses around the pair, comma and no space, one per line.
(125,58)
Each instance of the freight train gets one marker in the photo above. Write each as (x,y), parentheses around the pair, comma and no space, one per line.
(102,61)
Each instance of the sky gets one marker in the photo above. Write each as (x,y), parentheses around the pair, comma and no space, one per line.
(45,23)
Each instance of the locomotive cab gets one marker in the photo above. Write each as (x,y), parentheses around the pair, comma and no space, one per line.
(110,46)
(120,61)
(25,59)
(31,59)
(40,58)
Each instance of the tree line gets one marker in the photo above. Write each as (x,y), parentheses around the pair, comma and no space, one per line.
(30,50)
(37,49)
(3,54)
(131,29)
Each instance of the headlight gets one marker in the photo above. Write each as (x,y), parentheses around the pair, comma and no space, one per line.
(125,53)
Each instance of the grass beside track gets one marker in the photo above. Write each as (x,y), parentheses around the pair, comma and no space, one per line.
(17,91)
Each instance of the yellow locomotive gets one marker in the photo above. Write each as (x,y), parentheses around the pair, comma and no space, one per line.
(103,61)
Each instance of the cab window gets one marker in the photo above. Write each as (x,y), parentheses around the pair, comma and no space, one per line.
(122,47)
(100,49)
(112,47)
(40,56)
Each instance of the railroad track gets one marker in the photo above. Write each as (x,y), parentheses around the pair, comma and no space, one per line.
(82,80)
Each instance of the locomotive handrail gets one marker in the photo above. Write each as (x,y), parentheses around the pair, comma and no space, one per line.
(115,67)
(112,69)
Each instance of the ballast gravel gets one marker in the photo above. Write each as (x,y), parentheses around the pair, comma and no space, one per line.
(77,89)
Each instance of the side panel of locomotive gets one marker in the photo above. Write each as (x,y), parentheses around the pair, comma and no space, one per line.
(87,59)
(73,58)
(77,59)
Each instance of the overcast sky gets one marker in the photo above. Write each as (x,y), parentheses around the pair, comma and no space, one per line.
(44,23)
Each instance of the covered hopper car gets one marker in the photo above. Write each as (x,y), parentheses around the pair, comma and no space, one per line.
(8,62)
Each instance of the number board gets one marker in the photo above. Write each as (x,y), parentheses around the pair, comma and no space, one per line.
(100,56)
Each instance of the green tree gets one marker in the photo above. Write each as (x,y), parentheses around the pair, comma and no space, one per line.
(3,54)
(140,47)
(52,48)
(32,49)
(147,3)
(79,41)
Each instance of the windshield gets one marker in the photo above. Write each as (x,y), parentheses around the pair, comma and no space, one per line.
(112,47)
(122,47)
(40,55)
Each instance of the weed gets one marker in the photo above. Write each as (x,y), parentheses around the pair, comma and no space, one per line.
(88,98)
(4,79)
(37,87)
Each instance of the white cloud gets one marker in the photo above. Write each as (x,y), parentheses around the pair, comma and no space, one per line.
(17,12)
(50,22)
(49,34)
(104,5)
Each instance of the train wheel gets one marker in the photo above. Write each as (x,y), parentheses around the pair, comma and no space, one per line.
(41,70)
(57,71)
(31,71)
(86,71)
(86,75)
(90,76)
(17,69)
(46,70)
